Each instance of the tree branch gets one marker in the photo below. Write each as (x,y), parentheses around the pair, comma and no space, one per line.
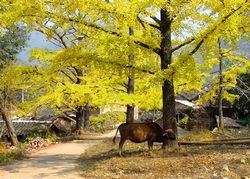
(196,48)
(244,84)
(156,19)
(213,29)
(61,38)
(68,76)
(182,45)
(243,93)
(125,66)
(143,22)
(125,85)
(156,50)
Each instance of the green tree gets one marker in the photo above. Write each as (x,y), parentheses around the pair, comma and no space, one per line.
(12,41)
(11,80)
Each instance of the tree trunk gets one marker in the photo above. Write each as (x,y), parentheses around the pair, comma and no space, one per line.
(10,127)
(130,108)
(79,118)
(130,117)
(168,96)
(86,116)
(220,97)
(82,114)
(83,117)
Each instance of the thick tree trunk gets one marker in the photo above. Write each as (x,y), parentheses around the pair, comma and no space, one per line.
(221,120)
(168,96)
(10,127)
(86,116)
(79,118)
(130,117)
(83,117)
(169,119)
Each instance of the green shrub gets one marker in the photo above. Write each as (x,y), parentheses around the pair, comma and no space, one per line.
(40,131)
(106,120)
(7,155)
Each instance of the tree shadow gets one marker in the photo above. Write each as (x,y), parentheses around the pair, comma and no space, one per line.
(88,162)
(210,149)
(54,165)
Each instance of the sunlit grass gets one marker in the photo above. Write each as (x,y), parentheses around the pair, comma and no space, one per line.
(103,161)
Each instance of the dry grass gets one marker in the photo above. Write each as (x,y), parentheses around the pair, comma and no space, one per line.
(8,155)
(102,161)
(203,134)
(243,132)
(198,135)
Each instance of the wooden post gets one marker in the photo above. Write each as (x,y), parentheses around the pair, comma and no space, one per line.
(220,93)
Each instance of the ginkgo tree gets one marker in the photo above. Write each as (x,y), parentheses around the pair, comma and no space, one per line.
(59,87)
(179,26)
(70,43)
(11,80)
(169,32)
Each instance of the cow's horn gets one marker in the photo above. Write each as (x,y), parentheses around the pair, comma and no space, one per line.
(169,130)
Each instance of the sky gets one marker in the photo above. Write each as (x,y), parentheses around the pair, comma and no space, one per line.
(37,40)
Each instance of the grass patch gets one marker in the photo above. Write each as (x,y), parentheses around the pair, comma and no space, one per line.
(103,161)
(8,155)
(198,135)
(205,135)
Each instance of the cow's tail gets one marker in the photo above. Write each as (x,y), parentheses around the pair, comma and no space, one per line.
(115,135)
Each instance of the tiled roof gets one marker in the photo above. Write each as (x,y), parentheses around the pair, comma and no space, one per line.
(22,127)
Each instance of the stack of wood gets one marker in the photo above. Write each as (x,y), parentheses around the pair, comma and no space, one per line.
(36,144)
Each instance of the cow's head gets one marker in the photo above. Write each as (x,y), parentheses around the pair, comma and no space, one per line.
(169,134)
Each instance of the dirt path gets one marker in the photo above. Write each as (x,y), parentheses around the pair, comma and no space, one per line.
(55,162)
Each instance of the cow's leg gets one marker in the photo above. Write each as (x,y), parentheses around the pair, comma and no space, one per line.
(121,143)
(150,145)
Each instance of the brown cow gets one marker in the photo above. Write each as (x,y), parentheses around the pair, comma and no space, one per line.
(141,132)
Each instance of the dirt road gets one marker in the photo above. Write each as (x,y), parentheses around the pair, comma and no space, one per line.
(56,162)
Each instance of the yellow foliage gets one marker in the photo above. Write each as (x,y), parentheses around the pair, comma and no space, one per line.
(97,43)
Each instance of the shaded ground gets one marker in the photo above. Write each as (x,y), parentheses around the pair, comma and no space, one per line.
(56,162)
(190,162)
